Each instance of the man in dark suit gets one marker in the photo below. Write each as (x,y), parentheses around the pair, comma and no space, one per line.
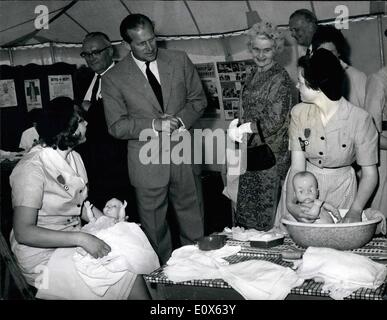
(156,91)
(302,26)
(103,155)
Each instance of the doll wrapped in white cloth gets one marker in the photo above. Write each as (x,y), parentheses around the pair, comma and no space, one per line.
(130,249)
(114,212)
(111,277)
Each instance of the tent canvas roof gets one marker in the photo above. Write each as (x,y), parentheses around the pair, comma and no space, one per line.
(73,19)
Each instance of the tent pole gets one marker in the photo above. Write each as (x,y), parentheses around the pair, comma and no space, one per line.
(52,53)
(226,49)
(381,44)
(10,55)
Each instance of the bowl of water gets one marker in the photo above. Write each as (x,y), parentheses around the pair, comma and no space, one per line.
(341,236)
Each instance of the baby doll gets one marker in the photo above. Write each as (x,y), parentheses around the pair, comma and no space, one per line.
(113,212)
(306,191)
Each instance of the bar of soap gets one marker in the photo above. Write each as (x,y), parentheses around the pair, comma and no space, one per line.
(291,254)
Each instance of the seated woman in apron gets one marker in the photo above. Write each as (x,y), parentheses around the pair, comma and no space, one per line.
(327,134)
(49,186)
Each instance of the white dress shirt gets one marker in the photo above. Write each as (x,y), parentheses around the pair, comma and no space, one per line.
(89,91)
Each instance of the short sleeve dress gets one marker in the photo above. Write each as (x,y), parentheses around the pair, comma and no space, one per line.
(45,181)
(349,136)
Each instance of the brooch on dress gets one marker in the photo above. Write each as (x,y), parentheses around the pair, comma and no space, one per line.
(61,180)
(303,143)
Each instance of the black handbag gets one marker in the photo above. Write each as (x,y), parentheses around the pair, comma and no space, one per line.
(259,157)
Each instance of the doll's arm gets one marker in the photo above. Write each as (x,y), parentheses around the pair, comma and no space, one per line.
(334,211)
(121,214)
(89,211)
(315,209)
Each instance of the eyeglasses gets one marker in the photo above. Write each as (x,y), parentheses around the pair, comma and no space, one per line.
(94,52)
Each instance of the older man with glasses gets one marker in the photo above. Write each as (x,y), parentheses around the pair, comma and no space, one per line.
(103,155)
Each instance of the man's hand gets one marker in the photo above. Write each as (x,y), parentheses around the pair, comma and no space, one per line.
(167,123)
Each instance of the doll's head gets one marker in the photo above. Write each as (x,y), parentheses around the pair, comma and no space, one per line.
(305,187)
(114,208)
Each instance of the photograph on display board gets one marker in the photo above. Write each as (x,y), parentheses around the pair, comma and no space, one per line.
(33,94)
(60,85)
(7,93)
(232,75)
(207,74)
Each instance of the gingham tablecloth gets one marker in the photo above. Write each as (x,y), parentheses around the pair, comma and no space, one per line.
(376,249)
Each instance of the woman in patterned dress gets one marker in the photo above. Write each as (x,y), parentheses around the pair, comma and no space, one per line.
(266,98)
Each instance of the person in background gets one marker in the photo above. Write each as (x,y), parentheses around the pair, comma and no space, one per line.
(265,99)
(376,105)
(330,38)
(49,186)
(30,136)
(157,92)
(104,156)
(302,26)
(327,134)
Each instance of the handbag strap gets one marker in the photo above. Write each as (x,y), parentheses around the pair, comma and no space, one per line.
(259,132)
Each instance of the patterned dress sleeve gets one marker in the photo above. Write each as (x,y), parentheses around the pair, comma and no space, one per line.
(276,106)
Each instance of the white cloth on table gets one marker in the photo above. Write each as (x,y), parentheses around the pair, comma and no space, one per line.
(242,234)
(260,280)
(342,272)
(191,263)
(253,279)
(130,252)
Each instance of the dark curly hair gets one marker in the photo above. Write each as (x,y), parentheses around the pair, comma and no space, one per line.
(59,121)
(329,33)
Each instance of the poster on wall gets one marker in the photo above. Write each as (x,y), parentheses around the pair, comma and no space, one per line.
(232,75)
(33,94)
(60,85)
(7,93)
(207,74)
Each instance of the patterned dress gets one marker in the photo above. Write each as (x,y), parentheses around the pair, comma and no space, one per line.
(267,97)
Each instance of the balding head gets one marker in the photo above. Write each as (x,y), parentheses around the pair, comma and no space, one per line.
(97,51)
(303,25)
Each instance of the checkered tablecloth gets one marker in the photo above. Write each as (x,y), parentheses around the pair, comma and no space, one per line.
(376,249)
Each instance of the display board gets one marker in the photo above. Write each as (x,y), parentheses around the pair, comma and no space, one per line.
(222,82)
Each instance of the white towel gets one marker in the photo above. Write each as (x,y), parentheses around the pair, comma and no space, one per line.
(191,263)
(253,279)
(242,234)
(342,272)
(130,252)
(260,280)
(370,214)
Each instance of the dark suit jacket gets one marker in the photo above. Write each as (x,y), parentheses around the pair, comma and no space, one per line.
(130,105)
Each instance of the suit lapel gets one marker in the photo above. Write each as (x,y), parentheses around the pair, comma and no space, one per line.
(139,82)
(165,67)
